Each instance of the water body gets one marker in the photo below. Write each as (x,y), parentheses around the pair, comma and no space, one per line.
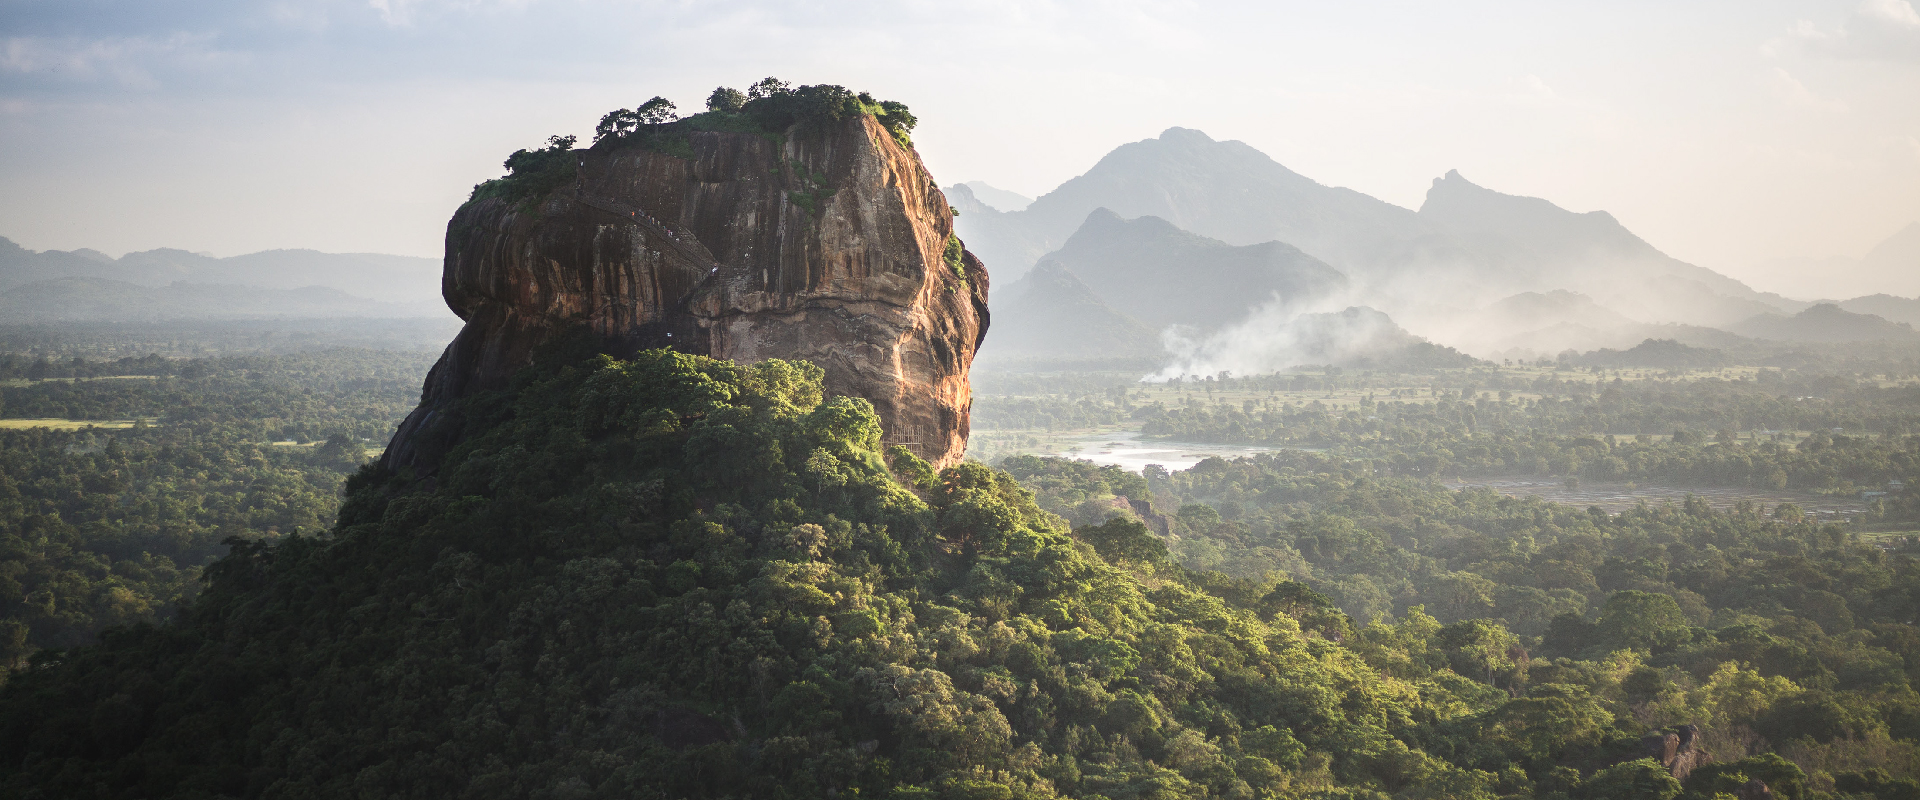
(1130,451)
(1127,450)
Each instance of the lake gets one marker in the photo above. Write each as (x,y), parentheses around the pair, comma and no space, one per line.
(1130,451)
(1127,450)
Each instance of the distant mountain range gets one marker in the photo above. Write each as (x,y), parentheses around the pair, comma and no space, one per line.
(1891,266)
(1116,283)
(1161,275)
(1529,244)
(1177,250)
(1825,322)
(1654,354)
(1124,291)
(1050,317)
(1895,309)
(1222,190)
(1498,275)
(102,300)
(999,199)
(84,285)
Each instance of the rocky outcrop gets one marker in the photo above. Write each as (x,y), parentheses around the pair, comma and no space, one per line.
(825,245)
(1677,750)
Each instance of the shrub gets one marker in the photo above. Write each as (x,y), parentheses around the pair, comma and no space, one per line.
(532,173)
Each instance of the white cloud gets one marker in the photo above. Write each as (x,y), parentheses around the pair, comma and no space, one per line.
(1532,88)
(1899,13)
(405,13)
(1877,29)
(1796,93)
(129,61)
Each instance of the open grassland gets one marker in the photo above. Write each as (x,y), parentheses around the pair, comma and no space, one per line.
(68,424)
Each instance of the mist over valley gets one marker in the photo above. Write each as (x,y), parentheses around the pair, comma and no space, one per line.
(1235,261)
(573,427)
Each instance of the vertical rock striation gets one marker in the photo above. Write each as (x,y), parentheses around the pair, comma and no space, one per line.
(829,245)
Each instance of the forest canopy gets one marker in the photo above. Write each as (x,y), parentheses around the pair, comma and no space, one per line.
(685,577)
(770,107)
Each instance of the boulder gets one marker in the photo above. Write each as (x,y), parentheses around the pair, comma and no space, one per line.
(829,244)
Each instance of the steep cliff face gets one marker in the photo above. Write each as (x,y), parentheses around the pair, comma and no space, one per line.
(830,246)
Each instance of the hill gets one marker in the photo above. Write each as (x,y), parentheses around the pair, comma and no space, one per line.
(1222,190)
(1653,353)
(999,199)
(1825,322)
(1532,325)
(1889,307)
(1051,317)
(406,280)
(1891,266)
(817,234)
(1465,248)
(1528,242)
(1274,340)
(1161,275)
(1535,325)
(682,577)
(78,299)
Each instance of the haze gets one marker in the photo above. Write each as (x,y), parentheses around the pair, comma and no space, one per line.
(1728,134)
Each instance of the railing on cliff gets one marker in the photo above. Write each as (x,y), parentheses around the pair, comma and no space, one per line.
(689,247)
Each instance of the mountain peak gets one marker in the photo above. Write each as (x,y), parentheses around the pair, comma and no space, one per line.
(1179,135)
(1458,203)
(1104,228)
(1900,249)
(995,197)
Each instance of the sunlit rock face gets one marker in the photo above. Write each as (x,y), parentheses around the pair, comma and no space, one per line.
(825,246)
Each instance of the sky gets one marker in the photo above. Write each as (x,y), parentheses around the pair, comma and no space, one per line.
(1727,134)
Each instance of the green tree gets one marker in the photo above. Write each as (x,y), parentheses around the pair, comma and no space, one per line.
(616,124)
(657,111)
(1640,779)
(1482,649)
(1783,778)
(1636,620)
(1124,539)
(725,99)
(768,87)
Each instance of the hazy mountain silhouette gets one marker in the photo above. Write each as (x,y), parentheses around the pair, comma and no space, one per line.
(1892,266)
(1533,325)
(1273,340)
(999,239)
(405,280)
(1116,284)
(999,199)
(1654,354)
(1223,190)
(1050,315)
(1533,310)
(1161,275)
(1901,251)
(1825,322)
(86,299)
(1894,309)
(1530,243)
(1466,247)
